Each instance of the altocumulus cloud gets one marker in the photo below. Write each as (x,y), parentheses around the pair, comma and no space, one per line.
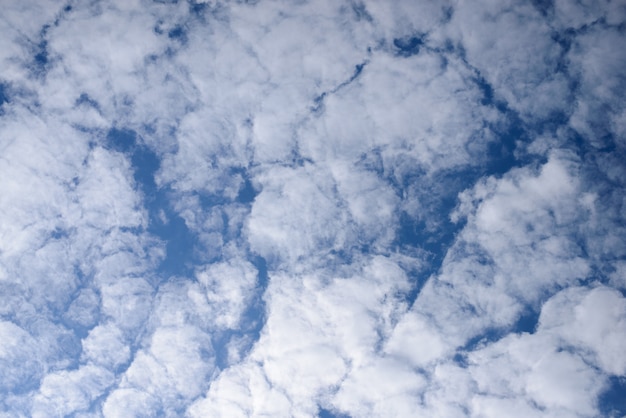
(312,208)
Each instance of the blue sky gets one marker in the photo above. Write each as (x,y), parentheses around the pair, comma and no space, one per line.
(312,208)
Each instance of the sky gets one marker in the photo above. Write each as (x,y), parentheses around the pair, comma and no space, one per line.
(313,208)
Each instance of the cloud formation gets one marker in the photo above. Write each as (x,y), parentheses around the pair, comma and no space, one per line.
(313,208)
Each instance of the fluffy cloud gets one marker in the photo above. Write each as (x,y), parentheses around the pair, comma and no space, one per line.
(279,208)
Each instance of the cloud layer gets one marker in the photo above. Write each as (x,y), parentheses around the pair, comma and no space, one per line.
(312,208)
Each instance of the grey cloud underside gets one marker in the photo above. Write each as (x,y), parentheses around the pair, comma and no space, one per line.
(312,208)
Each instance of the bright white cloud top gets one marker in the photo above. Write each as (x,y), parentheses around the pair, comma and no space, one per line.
(320,208)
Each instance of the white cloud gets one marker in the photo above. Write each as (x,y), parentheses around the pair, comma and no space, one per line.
(503,259)
(17,347)
(127,301)
(84,309)
(173,369)
(107,197)
(318,331)
(599,109)
(228,291)
(105,346)
(594,320)
(416,341)
(402,18)
(420,108)
(103,65)
(525,225)
(295,214)
(130,401)
(347,140)
(21,24)
(379,389)
(512,47)
(372,204)
(555,371)
(66,392)
(579,14)
(532,367)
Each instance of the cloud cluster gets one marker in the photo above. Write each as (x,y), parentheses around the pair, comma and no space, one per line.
(320,208)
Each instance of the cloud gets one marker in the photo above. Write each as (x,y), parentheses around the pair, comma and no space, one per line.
(18,347)
(105,345)
(279,208)
(295,214)
(384,387)
(599,111)
(503,261)
(596,324)
(551,368)
(68,392)
(130,401)
(519,214)
(323,331)
(229,289)
(521,63)
(376,110)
